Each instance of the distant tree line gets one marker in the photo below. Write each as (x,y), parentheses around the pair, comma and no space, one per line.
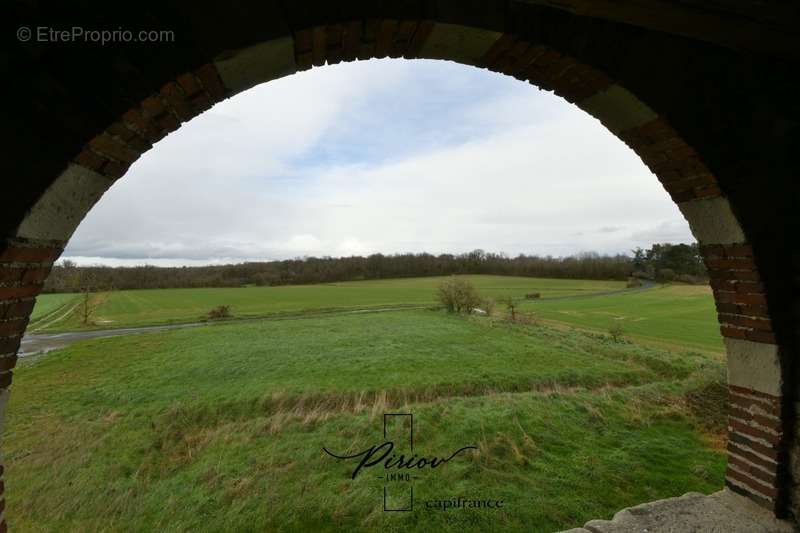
(66,276)
(670,262)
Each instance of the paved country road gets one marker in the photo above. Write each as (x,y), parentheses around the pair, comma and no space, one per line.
(36,343)
(44,342)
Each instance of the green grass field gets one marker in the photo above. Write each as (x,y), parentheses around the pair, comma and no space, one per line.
(51,307)
(675,315)
(144,307)
(221,428)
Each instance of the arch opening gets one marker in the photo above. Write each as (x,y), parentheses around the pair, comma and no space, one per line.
(758,439)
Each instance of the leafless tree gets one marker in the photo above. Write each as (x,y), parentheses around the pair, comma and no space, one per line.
(87,284)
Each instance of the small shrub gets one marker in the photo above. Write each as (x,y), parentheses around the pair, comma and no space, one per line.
(666,274)
(222,311)
(489,305)
(458,295)
(616,331)
(511,305)
(633,283)
(527,318)
(533,295)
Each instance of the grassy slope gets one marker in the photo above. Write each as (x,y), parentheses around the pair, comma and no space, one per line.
(676,314)
(130,308)
(48,304)
(221,428)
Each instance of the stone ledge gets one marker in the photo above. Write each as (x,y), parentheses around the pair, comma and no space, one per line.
(721,512)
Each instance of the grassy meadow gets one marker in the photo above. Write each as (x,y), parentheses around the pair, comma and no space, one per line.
(221,427)
(671,316)
(52,308)
(681,316)
(145,307)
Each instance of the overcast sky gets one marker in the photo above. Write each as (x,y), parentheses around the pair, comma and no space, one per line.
(381,156)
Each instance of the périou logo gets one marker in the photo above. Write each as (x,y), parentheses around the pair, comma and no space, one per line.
(394,466)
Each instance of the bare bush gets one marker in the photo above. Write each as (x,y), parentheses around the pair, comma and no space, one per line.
(511,306)
(616,331)
(529,319)
(222,311)
(458,295)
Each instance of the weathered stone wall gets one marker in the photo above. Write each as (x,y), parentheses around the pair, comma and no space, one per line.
(723,511)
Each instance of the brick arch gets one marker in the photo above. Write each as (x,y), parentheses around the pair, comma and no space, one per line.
(759,422)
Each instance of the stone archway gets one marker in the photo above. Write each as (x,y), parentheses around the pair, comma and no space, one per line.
(568,54)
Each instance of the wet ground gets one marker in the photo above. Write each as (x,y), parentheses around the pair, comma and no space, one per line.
(44,342)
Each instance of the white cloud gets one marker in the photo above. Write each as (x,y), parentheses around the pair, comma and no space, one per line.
(385,156)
